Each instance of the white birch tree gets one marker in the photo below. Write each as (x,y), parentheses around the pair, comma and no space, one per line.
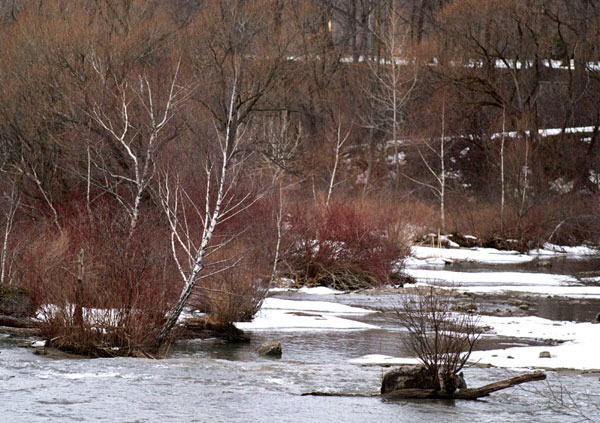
(13,201)
(235,84)
(137,136)
(219,206)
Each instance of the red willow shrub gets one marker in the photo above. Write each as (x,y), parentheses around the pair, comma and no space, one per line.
(346,246)
(128,281)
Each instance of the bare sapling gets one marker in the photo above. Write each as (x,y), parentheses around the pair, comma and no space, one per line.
(442,340)
(339,144)
(13,201)
(438,170)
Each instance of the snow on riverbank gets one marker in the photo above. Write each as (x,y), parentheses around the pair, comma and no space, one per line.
(421,255)
(534,283)
(279,314)
(504,282)
(463,279)
(428,255)
(578,350)
(551,250)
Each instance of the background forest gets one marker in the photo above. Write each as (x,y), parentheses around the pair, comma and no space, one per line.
(146,145)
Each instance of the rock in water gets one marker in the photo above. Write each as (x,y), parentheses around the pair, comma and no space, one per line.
(270,349)
(408,377)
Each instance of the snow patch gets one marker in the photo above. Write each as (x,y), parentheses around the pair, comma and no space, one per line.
(581,251)
(464,279)
(578,351)
(478,255)
(382,360)
(286,315)
(319,290)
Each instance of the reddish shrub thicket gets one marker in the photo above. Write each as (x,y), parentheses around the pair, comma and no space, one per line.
(345,246)
(127,281)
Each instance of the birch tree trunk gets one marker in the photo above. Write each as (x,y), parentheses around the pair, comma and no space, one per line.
(212,218)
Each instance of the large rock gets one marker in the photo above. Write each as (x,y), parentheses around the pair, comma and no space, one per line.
(408,377)
(417,377)
(270,349)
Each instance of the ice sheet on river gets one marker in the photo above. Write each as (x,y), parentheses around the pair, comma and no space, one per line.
(423,255)
(279,314)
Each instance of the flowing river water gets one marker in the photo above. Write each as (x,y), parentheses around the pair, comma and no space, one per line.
(207,382)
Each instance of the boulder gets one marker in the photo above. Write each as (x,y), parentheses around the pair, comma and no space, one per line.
(545,354)
(465,307)
(408,377)
(270,349)
(417,377)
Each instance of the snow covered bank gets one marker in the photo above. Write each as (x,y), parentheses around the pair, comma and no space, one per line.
(503,282)
(551,250)
(279,314)
(579,351)
(427,255)
(464,279)
(534,283)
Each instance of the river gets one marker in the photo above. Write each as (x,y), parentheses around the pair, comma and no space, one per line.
(208,382)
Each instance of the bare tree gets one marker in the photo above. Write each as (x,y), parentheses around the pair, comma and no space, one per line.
(395,77)
(433,154)
(219,205)
(137,137)
(12,200)
(440,338)
(340,140)
(239,59)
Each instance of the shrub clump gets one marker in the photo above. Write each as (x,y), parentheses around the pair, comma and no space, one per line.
(344,246)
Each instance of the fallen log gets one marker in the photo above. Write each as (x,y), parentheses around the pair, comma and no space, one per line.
(20,331)
(336,394)
(14,322)
(468,393)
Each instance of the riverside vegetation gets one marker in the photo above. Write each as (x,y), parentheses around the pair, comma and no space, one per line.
(164,156)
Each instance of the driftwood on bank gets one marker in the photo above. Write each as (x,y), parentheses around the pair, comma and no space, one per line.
(468,393)
(464,394)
